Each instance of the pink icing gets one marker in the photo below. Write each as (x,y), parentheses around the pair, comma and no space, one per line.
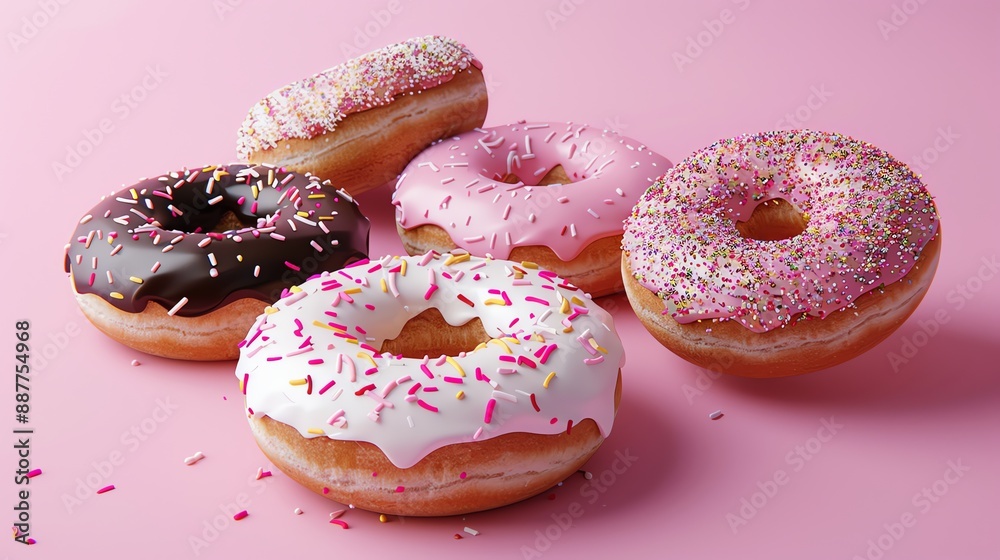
(310,107)
(868,218)
(455,184)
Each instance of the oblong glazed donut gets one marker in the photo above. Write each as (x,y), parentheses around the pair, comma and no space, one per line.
(780,253)
(433,385)
(551,193)
(181,264)
(359,123)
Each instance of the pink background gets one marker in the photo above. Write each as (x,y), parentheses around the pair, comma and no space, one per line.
(925,88)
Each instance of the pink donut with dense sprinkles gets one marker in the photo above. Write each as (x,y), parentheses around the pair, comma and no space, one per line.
(551,193)
(360,122)
(780,253)
(431,385)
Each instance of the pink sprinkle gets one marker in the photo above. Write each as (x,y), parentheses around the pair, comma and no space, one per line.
(534,299)
(241,515)
(426,406)
(327,386)
(400,489)
(453,380)
(341,522)
(315,361)
(34,472)
(292,266)
(426,370)
(107,488)
(489,410)
(430,291)
(327,491)
(462,475)
(548,351)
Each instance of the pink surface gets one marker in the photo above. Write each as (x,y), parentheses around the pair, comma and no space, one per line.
(891,455)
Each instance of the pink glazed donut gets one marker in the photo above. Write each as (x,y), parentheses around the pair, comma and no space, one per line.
(780,253)
(550,193)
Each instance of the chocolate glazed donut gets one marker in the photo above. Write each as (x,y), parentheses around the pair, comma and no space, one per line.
(199,253)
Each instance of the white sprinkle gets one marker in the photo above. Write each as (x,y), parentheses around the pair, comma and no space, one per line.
(178,306)
(572,230)
(194,458)
(215,200)
(475,239)
(430,164)
(256,271)
(471,531)
(136,363)
(620,192)
(534,126)
(715,415)
(211,259)
(87,218)
(298,511)
(592,213)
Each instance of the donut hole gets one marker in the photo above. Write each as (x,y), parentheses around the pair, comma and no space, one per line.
(773,220)
(555,176)
(428,334)
(230,222)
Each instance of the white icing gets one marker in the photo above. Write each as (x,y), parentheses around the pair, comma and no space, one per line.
(401,424)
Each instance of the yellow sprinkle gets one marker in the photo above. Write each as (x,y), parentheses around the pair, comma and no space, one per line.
(323,326)
(479,346)
(368,357)
(568,330)
(564,308)
(528,264)
(240,258)
(538,338)
(455,259)
(269,310)
(241,385)
(459,395)
(209,168)
(578,301)
(495,301)
(219,174)
(316,431)
(351,340)
(295,289)
(385,287)
(382,518)
(116,295)
(270,176)
(135,279)
(597,346)
(317,196)
(135,195)
(454,364)
(326,217)
(402,269)
(302,214)
(254,191)
(512,340)
(548,379)
(502,343)
(352,290)
(297,381)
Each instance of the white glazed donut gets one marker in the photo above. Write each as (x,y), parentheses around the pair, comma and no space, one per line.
(334,402)
(551,193)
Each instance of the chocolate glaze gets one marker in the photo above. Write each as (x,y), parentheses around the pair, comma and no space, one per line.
(126,234)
